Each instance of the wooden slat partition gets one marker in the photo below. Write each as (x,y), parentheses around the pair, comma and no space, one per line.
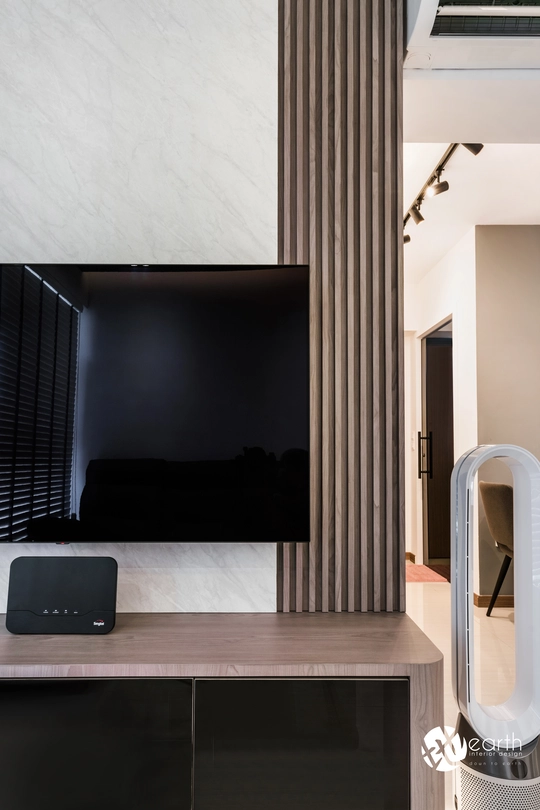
(340,211)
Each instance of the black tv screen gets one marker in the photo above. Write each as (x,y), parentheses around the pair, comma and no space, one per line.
(154,405)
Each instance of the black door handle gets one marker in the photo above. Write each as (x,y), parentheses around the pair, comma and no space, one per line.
(427,455)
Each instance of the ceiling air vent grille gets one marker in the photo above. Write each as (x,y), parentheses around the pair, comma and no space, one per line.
(500,6)
(486,26)
(468,18)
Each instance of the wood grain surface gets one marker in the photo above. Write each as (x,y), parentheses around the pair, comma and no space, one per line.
(280,645)
(340,211)
(216,642)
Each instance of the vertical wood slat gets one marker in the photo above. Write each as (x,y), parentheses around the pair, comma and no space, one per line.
(328,303)
(399,427)
(361,302)
(356,316)
(390,261)
(340,141)
(377,345)
(302,219)
(340,304)
(314,258)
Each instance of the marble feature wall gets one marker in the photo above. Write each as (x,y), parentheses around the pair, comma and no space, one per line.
(138,131)
(144,131)
(166,578)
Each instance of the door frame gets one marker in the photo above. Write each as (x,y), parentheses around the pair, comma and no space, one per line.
(423,427)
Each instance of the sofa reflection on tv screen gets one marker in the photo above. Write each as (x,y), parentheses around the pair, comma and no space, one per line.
(255,497)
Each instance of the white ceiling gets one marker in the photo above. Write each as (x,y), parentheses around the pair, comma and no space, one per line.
(500,186)
(486,106)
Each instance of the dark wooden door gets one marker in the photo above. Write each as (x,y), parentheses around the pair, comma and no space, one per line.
(439,424)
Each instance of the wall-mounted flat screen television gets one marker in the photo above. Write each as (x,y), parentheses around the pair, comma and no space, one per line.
(154,404)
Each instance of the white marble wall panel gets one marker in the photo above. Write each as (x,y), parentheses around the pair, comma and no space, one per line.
(138,131)
(167,578)
(144,131)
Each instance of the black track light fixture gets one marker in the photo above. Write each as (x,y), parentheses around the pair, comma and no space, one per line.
(416,216)
(474,148)
(406,238)
(436,186)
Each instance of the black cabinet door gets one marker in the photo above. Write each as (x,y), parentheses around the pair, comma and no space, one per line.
(95,745)
(301,745)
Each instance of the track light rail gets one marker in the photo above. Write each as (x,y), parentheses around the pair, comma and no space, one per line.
(434,180)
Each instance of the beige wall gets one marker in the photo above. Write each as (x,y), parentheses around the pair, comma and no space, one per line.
(489,283)
(508,354)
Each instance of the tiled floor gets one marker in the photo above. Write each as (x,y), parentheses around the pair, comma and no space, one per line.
(428,604)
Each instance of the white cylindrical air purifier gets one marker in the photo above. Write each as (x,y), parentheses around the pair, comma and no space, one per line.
(501,767)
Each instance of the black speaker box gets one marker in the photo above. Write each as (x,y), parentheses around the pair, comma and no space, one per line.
(62,595)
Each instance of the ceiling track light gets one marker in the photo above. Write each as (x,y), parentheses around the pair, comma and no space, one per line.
(434,186)
(416,216)
(437,188)
(474,148)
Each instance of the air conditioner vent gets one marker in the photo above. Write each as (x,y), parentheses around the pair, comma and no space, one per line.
(455,26)
(473,35)
(485,5)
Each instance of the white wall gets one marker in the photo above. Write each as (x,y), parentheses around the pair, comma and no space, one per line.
(447,291)
(144,131)
(138,131)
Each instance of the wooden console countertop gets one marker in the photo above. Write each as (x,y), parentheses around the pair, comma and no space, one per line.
(226,645)
(271,645)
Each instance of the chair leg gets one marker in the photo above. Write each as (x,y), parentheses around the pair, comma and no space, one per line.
(502,573)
